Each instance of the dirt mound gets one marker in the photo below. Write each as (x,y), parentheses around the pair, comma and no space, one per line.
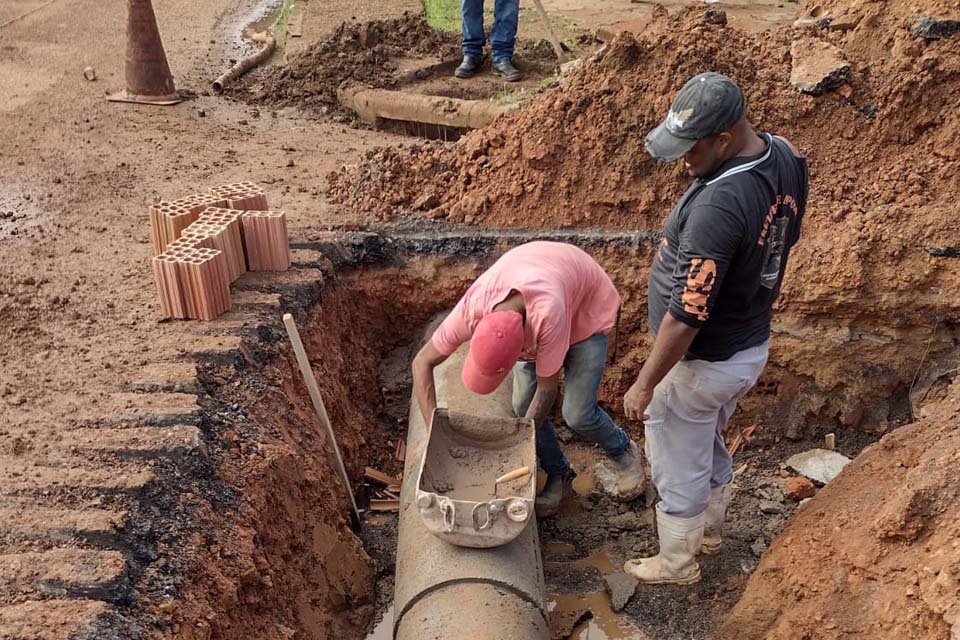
(576,156)
(875,33)
(874,555)
(870,270)
(356,53)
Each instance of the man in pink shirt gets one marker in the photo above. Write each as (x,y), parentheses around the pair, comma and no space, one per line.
(542,308)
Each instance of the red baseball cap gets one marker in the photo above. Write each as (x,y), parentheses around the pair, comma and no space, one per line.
(494,348)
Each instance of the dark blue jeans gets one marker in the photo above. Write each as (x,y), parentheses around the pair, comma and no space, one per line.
(502,35)
(582,369)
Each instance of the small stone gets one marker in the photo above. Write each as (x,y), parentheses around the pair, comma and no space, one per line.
(817,66)
(799,488)
(758,547)
(932,28)
(814,16)
(820,465)
(769,507)
(90,74)
(715,16)
(629,521)
(426,202)
(567,69)
(844,23)
(621,587)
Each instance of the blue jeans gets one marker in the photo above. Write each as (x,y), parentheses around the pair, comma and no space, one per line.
(582,370)
(502,35)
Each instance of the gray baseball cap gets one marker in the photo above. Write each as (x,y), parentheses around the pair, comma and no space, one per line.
(706,105)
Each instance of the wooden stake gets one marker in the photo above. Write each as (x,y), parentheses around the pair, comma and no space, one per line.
(381,477)
(321,410)
(385,505)
(513,475)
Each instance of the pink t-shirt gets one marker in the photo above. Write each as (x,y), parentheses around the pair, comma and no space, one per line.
(568,298)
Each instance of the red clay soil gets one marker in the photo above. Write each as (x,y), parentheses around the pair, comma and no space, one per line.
(576,156)
(284,563)
(875,553)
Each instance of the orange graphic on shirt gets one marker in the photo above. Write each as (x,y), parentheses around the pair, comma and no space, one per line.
(700,279)
(663,243)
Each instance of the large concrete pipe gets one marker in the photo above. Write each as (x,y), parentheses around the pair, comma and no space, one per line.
(445,592)
(374,104)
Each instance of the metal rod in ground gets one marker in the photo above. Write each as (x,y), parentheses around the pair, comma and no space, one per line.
(561,58)
(321,410)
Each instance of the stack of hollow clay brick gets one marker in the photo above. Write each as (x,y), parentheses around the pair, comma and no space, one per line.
(169,219)
(242,196)
(206,241)
(266,236)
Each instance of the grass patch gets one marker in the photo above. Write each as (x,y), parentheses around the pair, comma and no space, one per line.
(515,96)
(549,82)
(442,15)
(279,26)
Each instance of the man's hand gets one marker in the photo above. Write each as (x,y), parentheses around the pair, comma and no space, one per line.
(636,401)
(544,398)
(672,342)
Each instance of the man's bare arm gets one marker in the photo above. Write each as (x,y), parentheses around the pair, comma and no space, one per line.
(543,400)
(673,341)
(424,387)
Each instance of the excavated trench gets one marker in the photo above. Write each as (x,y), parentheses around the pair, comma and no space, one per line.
(283,562)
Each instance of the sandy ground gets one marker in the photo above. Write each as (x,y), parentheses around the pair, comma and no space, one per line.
(82,172)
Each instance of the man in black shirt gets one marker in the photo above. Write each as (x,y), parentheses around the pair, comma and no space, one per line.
(714,279)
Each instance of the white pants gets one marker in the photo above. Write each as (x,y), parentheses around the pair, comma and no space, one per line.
(684,435)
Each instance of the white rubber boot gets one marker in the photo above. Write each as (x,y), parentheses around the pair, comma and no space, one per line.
(680,539)
(714,516)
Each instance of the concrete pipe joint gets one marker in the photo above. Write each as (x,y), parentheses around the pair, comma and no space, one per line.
(444,591)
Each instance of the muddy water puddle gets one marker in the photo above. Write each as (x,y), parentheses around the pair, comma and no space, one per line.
(600,560)
(587,615)
(585,483)
(591,616)
(254,16)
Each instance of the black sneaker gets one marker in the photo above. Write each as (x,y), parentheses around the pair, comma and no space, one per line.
(469,67)
(557,489)
(506,70)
